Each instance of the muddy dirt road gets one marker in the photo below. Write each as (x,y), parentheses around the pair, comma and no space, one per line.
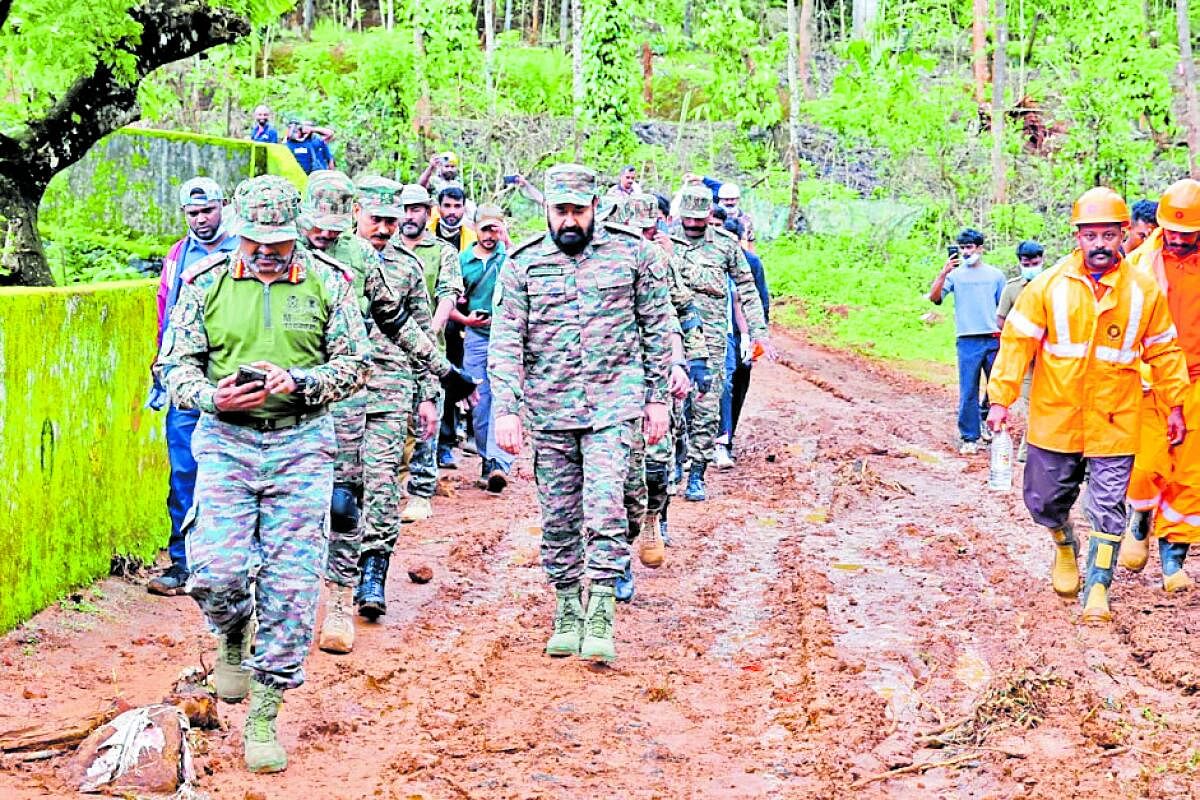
(850,601)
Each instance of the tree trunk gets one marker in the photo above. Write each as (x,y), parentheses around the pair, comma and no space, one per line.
(507,15)
(1189,87)
(489,47)
(577,73)
(22,260)
(805,56)
(564,23)
(533,24)
(793,79)
(979,49)
(999,77)
(863,14)
(647,77)
(307,19)
(687,19)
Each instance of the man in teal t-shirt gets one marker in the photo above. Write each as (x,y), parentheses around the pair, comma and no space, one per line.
(480,267)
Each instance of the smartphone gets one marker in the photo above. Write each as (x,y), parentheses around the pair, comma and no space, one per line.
(250,375)
(510,180)
(953,251)
(483,315)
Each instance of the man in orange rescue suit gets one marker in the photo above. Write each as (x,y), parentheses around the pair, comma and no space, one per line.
(1091,320)
(1166,479)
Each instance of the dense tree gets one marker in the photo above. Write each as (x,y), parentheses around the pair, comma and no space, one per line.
(75,69)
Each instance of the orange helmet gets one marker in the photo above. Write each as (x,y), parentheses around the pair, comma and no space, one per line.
(1099,206)
(1179,207)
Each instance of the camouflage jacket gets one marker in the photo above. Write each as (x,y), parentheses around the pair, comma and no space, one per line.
(208,340)
(443,274)
(711,261)
(583,342)
(683,300)
(395,281)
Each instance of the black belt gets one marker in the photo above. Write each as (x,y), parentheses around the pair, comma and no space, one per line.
(268,423)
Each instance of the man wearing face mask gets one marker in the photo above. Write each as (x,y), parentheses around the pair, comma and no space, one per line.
(581,341)
(261,341)
(203,204)
(977,288)
(1031,256)
(1091,321)
(1164,493)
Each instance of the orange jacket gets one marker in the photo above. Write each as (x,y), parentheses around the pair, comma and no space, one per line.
(1087,392)
(1179,281)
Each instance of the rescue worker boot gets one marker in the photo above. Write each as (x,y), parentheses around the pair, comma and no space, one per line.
(695,488)
(651,549)
(1102,557)
(623,588)
(1064,573)
(231,680)
(337,632)
(1172,556)
(1135,546)
(261,749)
(568,623)
(372,586)
(598,627)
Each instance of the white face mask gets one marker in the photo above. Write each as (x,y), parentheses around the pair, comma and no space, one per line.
(971,260)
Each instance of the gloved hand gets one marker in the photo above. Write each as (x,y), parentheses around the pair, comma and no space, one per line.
(699,374)
(458,385)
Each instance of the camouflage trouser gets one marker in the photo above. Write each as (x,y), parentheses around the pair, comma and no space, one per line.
(649,464)
(258,545)
(581,477)
(635,485)
(345,530)
(422,464)
(705,420)
(383,457)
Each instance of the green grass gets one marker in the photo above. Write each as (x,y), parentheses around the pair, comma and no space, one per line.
(862,295)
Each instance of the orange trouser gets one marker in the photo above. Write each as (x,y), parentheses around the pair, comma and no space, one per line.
(1167,479)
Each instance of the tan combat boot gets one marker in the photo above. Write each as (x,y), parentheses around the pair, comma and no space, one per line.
(337,632)
(651,550)
(230,679)
(418,509)
(261,747)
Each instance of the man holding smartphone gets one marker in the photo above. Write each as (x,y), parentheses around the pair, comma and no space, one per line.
(977,288)
(285,319)
(480,269)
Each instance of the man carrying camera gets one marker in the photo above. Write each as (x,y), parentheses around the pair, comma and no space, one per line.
(977,288)
(261,341)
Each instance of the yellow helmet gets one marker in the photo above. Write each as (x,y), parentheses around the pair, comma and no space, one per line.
(1099,206)
(1179,207)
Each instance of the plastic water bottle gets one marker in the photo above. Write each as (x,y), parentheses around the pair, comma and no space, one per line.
(1000,472)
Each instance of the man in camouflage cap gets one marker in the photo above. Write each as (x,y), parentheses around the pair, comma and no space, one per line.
(444,284)
(713,257)
(262,341)
(646,488)
(581,342)
(398,384)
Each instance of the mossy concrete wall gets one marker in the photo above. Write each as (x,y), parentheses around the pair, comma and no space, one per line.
(82,461)
(129,181)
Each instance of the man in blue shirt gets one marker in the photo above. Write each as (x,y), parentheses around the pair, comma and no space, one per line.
(310,146)
(480,266)
(263,131)
(977,288)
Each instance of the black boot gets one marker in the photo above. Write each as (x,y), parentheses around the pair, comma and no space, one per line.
(372,585)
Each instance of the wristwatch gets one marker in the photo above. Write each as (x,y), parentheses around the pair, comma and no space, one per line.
(303,380)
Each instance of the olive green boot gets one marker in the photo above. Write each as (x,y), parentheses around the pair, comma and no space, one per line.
(231,680)
(568,623)
(598,627)
(263,752)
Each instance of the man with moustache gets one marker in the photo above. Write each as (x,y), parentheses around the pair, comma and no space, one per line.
(203,204)
(264,445)
(1164,493)
(1091,320)
(581,343)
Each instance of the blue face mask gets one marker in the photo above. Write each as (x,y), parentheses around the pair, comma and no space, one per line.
(1029,273)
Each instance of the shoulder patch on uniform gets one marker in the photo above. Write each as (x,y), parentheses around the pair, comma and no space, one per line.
(525,245)
(616,227)
(204,265)
(323,258)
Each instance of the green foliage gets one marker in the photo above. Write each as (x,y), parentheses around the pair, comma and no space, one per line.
(743,86)
(609,77)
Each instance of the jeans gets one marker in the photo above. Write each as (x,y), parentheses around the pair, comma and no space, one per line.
(976,355)
(182,483)
(475,365)
(737,384)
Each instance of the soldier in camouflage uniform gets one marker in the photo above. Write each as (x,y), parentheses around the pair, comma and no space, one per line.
(444,283)
(398,383)
(265,448)
(646,496)
(581,340)
(713,258)
(327,212)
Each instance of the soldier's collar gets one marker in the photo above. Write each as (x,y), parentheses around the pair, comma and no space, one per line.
(295,274)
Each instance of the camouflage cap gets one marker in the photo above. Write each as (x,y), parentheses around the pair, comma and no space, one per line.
(414,194)
(695,202)
(641,210)
(328,201)
(570,183)
(265,209)
(488,214)
(380,197)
